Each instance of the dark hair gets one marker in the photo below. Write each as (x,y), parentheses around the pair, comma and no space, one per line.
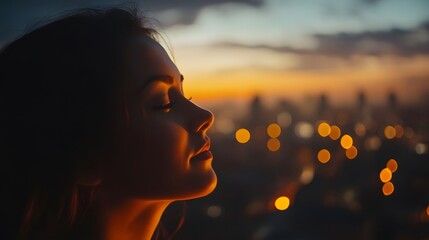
(60,95)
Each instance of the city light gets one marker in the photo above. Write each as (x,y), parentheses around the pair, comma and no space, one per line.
(324,129)
(421,148)
(304,130)
(346,141)
(307,174)
(335,132)
(399,131)
(409,132)
(385,175)
(323,156)
(360,129)
(224,125)
(389,132)
(282,203)
(388,188)
(214,211)
(372,143)
(392,165)
(273,144)
(242,135)
(351,152)
(274,130)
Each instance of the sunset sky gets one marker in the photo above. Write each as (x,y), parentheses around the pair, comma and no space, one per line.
(293,49)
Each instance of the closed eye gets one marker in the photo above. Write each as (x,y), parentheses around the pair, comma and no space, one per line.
(164,107)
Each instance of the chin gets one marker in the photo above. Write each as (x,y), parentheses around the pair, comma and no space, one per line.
(201,188)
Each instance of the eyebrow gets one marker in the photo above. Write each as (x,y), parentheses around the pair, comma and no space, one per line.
(163,78)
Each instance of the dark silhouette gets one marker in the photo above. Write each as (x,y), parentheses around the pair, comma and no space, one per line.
(96,136)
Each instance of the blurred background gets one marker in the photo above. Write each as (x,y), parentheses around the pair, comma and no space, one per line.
(321,106)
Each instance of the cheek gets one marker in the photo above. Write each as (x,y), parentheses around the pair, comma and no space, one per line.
(167,148)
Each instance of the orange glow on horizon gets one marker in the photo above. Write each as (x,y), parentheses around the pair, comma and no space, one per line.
(213,84)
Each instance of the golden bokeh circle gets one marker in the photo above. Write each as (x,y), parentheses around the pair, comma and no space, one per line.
(324,156)
(242,135)
(282,203)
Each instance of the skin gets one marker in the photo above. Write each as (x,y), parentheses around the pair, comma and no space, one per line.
(163,146)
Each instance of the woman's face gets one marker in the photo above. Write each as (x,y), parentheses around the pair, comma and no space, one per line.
(165,149)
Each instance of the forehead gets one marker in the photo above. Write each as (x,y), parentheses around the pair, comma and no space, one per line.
(145,58)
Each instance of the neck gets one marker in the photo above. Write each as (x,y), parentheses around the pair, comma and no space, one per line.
(131,219)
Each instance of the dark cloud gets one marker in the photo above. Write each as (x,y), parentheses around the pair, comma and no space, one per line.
(194,5)
(394,41)
(343,45)
(16,16)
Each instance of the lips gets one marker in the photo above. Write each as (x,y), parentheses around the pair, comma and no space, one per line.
(203,153)
(202,156)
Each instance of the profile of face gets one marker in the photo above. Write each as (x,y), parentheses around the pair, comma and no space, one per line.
(164,144)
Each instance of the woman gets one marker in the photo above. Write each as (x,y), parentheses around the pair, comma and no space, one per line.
(97,137)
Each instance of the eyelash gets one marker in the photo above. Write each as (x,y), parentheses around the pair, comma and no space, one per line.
(169,105)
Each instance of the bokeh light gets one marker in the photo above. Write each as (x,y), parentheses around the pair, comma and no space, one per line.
(273,144)
(224,125)
(385,175)
(242,135)
(335,132)
(360,129)
(421,148)
(409,132)
(392,165)
(324,156)
(324,129)
(274,130)
(389,132)
(307,174)
(304,130)
(282,203)
(388,188)
(284,119)
(346,141)
(351,152)
(372,143)
(399,131)
(214,211)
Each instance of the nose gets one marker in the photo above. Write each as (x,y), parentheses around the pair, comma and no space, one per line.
(202,119)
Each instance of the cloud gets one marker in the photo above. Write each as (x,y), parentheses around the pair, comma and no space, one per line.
(390,42)
(344,45)
(172,14)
